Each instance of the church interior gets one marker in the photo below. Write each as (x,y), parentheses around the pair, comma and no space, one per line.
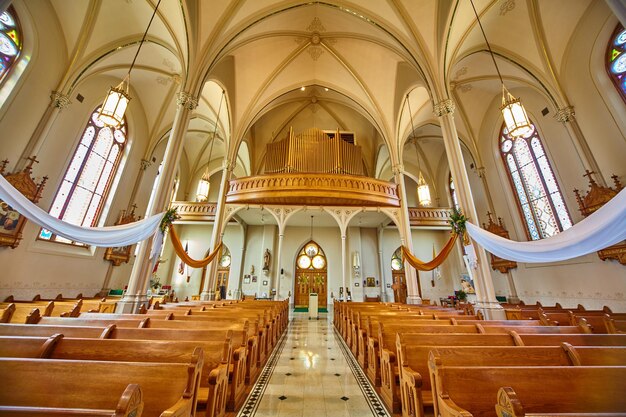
(310,153)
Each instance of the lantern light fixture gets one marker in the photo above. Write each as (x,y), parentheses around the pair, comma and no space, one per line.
(116,101)
(515,118)
(204,185)
(423,190)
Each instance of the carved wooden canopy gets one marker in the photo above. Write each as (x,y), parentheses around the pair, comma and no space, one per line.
(502,265)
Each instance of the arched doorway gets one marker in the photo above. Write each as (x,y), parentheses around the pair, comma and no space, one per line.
(398,277)
(311,275)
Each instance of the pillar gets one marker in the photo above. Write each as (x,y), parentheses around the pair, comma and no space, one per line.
(344,265)
(58,102)
(406,238)
(567,116)
(485,293)
(244,245)
(208,292)
(279,255)
(135,295)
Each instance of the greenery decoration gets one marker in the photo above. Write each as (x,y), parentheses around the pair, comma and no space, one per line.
(170,216)
(461,295)
(457,221)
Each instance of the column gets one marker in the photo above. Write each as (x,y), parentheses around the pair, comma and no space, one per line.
(344,265)
(485,293)
(406,239)
(381,262)
(566,115)
(208,292)
(58,102)
(279,255)
(142,268)
(244,245)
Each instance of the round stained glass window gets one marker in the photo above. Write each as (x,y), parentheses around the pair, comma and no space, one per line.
(619,65)
(621,38)
(319,262)
(507,145)
(304,262)
(225,261)
(311,250)
(396,264)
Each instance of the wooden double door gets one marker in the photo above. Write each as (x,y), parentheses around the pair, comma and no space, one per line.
(311,275)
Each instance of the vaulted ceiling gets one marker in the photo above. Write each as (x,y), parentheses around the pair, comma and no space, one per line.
(356,61)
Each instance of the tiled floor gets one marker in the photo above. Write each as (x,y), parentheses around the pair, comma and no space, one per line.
(312,375)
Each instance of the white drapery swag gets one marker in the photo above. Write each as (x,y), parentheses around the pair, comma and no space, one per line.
(605,227)
(111,236)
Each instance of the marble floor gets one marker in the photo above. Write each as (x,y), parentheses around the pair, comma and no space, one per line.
(311,374)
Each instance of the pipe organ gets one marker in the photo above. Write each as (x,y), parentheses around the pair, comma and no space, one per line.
(313,151)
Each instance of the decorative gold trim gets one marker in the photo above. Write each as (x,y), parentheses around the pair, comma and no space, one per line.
(444,107)
(313,189)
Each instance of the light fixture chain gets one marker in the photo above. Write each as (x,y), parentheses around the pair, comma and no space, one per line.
(144,37)
(487,42)
(219,111)
(408,104)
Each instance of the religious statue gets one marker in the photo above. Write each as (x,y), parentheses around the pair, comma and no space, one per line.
(266,260)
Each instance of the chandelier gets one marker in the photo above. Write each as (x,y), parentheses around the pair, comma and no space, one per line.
(116,101)
(515,117)
(423,191)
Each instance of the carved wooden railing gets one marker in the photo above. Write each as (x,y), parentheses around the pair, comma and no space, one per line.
(313,189)
(419,216)
(191,211)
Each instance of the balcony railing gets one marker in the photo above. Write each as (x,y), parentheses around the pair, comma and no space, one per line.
(419,216)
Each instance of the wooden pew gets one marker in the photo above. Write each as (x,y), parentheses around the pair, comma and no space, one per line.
(573,339)
(213,388)
(46,331)
(6,312)
(545,390)
(28,313)
(415,380)
(615,326)
(167,388)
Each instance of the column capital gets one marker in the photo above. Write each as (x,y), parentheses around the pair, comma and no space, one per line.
(565,114)
(60,100)
(186,100)
(397,169)
(145,164)
(228,166)
(481,172)
(444,107)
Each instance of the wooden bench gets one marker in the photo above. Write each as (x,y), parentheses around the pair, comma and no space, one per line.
(573,339)
(213,388)
(415,381)
(545,390)
(28,313)
(46,331)
(167,388)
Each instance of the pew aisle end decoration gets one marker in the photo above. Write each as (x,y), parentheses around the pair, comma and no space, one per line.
(457,224)
(603,228)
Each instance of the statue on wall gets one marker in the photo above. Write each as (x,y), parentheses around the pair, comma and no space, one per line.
(266,260)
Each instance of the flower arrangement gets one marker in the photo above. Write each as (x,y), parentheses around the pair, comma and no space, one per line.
(170,216)
(457,221)
(155,283)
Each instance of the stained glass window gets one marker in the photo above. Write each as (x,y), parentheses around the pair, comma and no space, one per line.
(453,196)
(616,59)
(10,41)
(88,178)
(538,193)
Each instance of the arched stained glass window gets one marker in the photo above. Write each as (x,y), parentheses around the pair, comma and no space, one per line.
(10,41)
(538,193)
(88,178)
(616,59)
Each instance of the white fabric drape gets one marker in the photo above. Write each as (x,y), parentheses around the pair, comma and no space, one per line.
(112,236)
(605,227)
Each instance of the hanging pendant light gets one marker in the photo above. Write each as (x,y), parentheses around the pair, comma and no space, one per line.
(515,118)
(116,101)
(202,194)
(204,185)
(423,190)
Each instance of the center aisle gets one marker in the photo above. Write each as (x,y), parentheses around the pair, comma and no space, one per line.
(311,374)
